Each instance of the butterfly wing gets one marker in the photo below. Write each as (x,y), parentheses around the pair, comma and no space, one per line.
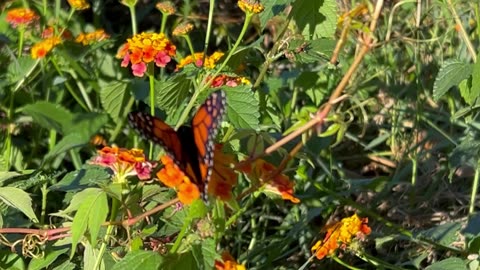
(159,132)
(205,125)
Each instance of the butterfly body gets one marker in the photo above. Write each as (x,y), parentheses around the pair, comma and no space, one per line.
(191,147)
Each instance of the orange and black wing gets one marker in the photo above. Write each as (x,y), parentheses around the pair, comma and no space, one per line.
(205,126)
(154,129)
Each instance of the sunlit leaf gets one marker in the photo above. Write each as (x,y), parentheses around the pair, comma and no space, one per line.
(140,260)
(451,73)
(19,200)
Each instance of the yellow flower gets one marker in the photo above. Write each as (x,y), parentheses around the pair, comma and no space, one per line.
(341,233)
(79,4)
(92,37)
(250,6)
(197,59)
(21,16)
(166,7)
(40,49)
(182,29)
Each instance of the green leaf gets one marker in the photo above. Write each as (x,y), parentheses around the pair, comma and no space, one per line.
(90,256)
(18,199)
(11,261)
(86,124)
(475,89)
(170,94)
(18,70)
(448,264)
(242,107)
(79,179)
(205,254)
(315,19)
(92,212)
(41,263)
(444,234)
(49,115)
(114,98)
(451,73)
(66,143)
(197,210)
(272,8)
(466,153)
(66,265)
(140,260)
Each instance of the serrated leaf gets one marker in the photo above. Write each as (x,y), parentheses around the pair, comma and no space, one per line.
(197,210)
(7,175)
(140,260)
(451,73)
(49,258)
(242,107)
(316,19)
(76,180)
(114,97)
(19,200)
(171,93)
(49,115)
(92,212)
(205,254)
(272,8)
(448,264)
(466,153)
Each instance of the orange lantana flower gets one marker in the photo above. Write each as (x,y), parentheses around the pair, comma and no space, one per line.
(92,37)
(171,176)
(341,233)
(274,182)
(124,163)
(223,178)
(145,48)
(40,49)
(197,59)
(21,16)
(231,81)
(228,263)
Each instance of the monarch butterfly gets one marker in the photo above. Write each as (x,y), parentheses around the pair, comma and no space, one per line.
(191,147)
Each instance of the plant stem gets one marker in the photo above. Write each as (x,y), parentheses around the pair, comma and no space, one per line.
(473,195)
(133,18)
(209,29)
(164,22)
(113,215)
(20,40)
(151,78)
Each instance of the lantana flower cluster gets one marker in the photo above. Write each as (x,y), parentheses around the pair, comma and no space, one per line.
(341,235)
(173,177)
(228,262)
(197,59)
(250,6)
(227,80)
(124,163)
(21,17)
(275,183)
(79,4)
(40,49)
(92,37)
(145,48)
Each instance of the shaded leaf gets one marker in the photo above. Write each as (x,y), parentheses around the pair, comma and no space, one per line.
(451,73)
(315,19)
(272,8)
(114,97)
(49,115)
(171,93)
(18,199)
(79,179)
